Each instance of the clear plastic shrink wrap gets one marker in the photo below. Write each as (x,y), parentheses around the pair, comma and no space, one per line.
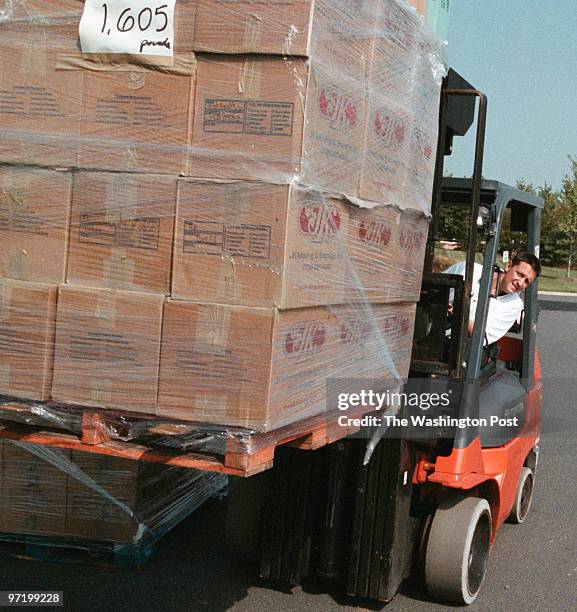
(211,238)
(90,500)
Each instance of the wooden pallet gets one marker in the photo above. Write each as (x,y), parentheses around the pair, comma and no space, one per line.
(244,452)
(70,551)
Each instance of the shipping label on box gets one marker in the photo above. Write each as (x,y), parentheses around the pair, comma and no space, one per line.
(34,215)
(107,348)
(27,315)
(121,231)
(39,107)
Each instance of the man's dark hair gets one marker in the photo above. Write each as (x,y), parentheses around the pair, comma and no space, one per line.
(530,259)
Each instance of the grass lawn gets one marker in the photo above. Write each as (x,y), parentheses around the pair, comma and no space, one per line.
(551,279)
(555,279)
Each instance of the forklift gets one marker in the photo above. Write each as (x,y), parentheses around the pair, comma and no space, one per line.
(421,511)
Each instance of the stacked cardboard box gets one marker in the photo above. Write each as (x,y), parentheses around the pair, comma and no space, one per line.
(86,497)
(238,225)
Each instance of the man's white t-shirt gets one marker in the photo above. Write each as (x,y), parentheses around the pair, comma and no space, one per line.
(503,310)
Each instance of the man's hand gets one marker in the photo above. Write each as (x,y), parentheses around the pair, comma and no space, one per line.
(450,309)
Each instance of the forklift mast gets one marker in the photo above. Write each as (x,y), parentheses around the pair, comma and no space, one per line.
(456,355)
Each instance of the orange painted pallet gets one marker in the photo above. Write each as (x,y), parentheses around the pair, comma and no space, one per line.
(244,452)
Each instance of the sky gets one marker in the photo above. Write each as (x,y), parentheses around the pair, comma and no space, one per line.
(523,55)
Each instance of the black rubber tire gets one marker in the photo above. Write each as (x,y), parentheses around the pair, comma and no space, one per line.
(458,550)
(244,516)
(523,496)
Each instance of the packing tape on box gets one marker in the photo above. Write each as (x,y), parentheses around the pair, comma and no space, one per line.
(16,263)
(5,301)
(235,202)
(6,10)
(249,78)
(118,272)
(105,310)
(207,405)
(253,27)
(101,391)
(121,207)
(183,63)
(34,60)
(122,195)
(212,328)
(136,80)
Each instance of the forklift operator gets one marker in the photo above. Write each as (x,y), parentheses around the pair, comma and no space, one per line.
(506,304)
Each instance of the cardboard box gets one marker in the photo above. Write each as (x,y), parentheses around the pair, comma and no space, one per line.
(121,500)
(258,244)
(420,6)
(386,249)
(34,217)
(264,244)
(137,119)
(27,315)
(292,27)
(33,496)
(39,21)
(402,100)
(121,231)
(107,348)
(108,510)
(386,158)
(251,121)
(249,26)
(39,107)
(262,369)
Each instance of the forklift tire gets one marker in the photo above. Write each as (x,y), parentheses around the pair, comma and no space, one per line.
(458,550)
(523,497)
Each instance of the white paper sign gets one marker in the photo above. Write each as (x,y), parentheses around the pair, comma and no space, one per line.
(135,27)
(505,256)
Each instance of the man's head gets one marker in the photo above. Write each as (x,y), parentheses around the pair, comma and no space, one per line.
(520,273)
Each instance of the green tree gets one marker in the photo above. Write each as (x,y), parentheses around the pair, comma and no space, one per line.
(567,212)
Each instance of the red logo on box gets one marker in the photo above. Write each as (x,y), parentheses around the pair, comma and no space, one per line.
(337,108)
(375,232)
(421,144)
(398,27)
(396,325)
(411,240)
(321,222)
(305,338)
(390,128)
(355,331)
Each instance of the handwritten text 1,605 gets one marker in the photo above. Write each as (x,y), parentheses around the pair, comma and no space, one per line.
(143,20)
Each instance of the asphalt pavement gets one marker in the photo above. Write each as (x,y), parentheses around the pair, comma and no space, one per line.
(533,566)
